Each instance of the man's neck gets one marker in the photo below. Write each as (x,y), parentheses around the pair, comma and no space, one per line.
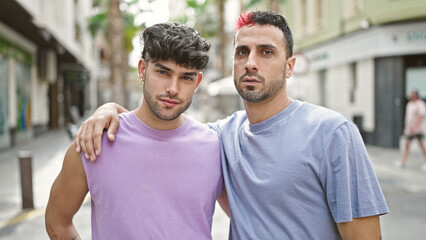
(261,111)
(144,113)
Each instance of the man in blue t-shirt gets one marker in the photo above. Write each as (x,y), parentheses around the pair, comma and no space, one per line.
(292,170)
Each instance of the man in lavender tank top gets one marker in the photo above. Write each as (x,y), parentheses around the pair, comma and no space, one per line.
(160,179)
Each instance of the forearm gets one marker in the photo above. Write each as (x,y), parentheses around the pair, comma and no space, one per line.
(119,108)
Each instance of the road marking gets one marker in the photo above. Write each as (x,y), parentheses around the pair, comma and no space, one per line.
(30,214)
(25,215)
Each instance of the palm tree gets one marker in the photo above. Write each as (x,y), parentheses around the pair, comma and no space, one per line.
(119,29)
(117,58)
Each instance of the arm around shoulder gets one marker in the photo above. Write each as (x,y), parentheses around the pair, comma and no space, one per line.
(66,196)
(89,135)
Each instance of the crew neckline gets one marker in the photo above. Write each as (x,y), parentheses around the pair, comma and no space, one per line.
(157,132)
(281,116)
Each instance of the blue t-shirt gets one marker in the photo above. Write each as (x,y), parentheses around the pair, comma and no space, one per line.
(297,174)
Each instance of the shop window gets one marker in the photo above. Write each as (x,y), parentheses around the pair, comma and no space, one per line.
(23,95)
(4,129)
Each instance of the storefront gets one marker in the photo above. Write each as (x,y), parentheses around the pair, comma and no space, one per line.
(15,94)
(367,75)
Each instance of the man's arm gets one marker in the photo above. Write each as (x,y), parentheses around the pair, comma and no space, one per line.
(89,136)
(367,228)
(66,196)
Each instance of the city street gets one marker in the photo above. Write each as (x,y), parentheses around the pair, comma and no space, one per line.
(405,192)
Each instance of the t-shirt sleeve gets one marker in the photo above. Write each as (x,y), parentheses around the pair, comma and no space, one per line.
(351,186)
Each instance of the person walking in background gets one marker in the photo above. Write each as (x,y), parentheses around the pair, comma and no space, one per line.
(160,179)
(414,115)
(292,170)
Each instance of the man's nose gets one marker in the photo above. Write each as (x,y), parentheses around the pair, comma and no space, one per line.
(172,88)
(251,63)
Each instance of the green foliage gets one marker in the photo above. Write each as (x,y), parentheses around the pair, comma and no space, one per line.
(205,17)
(99,21)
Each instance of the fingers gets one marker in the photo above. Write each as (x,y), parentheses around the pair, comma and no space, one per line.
(84,139)
(89,136)
(97,138)
(88,142)
(77,140)
(112,129)
(80,136)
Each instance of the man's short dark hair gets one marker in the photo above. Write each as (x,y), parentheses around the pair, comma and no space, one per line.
(268,18)
(176,42)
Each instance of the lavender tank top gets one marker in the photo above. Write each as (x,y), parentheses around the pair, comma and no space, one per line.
(155,184)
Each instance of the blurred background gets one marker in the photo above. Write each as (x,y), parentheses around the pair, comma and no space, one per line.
(60,60)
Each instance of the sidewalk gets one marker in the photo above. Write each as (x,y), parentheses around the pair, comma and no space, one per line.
(47,151)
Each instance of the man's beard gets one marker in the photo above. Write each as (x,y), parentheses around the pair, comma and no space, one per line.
(156,108)
(269,90)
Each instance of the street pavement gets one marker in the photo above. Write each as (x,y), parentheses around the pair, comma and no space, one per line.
(404,189)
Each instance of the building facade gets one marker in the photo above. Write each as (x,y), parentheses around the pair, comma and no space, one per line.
(47,61)
(361,58)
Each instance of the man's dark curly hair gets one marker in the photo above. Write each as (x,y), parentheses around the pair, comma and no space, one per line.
(176,42)
(267,18)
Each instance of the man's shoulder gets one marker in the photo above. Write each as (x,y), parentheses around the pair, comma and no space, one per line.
(321,114)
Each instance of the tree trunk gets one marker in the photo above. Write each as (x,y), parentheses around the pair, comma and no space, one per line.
(274,5)
(116,37)
(222,36)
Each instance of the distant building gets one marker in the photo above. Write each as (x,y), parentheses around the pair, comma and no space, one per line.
(47,66)
(361,58)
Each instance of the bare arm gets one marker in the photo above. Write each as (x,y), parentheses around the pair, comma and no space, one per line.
(89,135)
(223,202)
(66,196)
(367,228)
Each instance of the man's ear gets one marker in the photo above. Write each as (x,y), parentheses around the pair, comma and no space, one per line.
(141,69)
(290,66)
(200,77)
